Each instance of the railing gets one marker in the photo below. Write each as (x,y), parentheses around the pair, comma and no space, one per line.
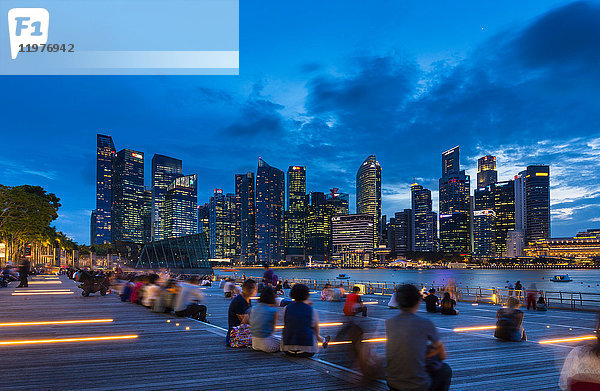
(554,299)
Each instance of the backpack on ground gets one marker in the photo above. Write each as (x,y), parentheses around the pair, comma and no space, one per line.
(240,336)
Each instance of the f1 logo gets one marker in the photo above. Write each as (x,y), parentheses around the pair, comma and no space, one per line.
(27,26)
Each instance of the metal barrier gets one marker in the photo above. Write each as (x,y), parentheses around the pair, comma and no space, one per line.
(580,301)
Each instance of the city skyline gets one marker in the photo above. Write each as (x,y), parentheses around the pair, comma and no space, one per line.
(488,85)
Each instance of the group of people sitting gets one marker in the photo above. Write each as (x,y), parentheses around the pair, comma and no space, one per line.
(164,294)
(329,293)
(300,335)
(446,306)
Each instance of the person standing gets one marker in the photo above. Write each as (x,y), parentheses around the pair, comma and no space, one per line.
(411,340)
(239,306)
(532,296)
(518,289)
(510,287)
(24,269)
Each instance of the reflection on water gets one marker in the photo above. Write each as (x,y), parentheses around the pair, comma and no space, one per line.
(583,280)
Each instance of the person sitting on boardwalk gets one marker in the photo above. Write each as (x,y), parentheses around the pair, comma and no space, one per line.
(432,301)
(137,290)
(186,302)
(509,326)
(581,370)
(354,304)
(151,291)
(301,326)
(408,337)
(239,306)
(327,293)
(531,296)
(447,305)
(393,303)
(263,318)
(541,304)
(230,289)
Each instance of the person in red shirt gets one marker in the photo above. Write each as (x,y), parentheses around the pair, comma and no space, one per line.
(354,304)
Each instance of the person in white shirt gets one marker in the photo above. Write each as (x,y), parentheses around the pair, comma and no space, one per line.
(230,289)
(581,370)
(151,291)
(187,301)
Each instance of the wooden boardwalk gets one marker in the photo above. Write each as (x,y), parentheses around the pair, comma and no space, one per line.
(167,356)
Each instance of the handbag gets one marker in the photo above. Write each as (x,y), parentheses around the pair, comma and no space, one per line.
(241,336)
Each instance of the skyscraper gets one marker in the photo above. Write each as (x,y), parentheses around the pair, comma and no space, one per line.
(105,151)
(486,171)
(146,215)
(318,226)
(340,202)
(352,239)
(270,191)
(222,225)
(164,171)
(494,212)
(127,196)
(368,193)
(504,207)
(244,191)
(455,205)
(295,219)
(520,207)
(537,202)
(424,221)
(484,233)
(180,212)
(400,232)
(204,221)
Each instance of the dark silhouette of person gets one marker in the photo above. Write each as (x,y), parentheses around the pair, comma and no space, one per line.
(24,268)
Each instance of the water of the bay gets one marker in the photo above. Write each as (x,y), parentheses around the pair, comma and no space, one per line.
(584,280)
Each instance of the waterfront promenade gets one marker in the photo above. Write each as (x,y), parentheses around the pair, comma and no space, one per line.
(158,354)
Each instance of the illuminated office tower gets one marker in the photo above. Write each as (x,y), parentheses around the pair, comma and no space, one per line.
(520,200)
(504,208)
(486,171)
(484,233)
(352,239)
(146,215)
(339,201)
(424,220)
(101,218)
(164,171)
(181,207)
(368,193)
(270,195)
(244,192)
(400,232)
(222,225)
(318,226)
(127,195)
(295,215)
(455,205)
(537,203)
(204,221)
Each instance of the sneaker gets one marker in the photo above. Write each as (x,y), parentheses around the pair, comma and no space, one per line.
(326,342)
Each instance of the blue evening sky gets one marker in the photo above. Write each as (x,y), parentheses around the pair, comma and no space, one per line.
(325,84)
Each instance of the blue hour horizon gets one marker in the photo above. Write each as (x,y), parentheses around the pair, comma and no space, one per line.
(497,88)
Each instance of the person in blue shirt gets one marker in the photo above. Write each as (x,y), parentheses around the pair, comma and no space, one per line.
(263,318)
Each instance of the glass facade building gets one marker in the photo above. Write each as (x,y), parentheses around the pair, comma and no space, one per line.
(222,217)
(146,215)
(164,171)
(368,193)
(537,203)
(339,201)
(101,219)
(127,196)
(204,220)
(185,254)
(270,195)
(180,215)
(318,226)
(424,221)
(295,215)
(352,239)
(400,232)
(244,191)
(486,171)
(455,205)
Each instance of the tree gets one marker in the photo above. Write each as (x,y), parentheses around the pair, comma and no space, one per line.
(25,215)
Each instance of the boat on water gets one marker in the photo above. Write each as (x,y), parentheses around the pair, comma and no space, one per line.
(561,278)
(343,276)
